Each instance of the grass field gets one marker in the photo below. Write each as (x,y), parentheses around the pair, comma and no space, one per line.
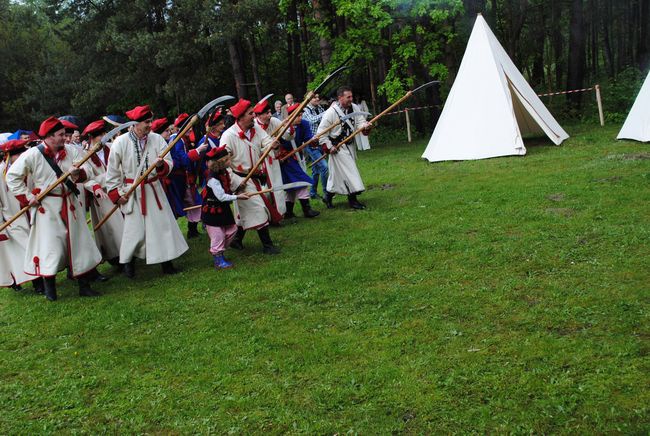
(503,295)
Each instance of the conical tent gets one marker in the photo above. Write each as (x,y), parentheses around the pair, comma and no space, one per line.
(489,107)
(637,123)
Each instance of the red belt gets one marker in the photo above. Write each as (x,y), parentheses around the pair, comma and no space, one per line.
(143,193)
(64,205)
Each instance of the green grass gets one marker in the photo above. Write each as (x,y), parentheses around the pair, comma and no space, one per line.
(503,295)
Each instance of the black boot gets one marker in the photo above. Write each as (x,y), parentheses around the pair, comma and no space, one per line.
(192,230)
(327,199)
(16,287)
(97,276)
(39,286)
(354,203)
(84,287)
(50,288)
(238,242)
(289,213)
(129,269)
(267,243)
(168,267)
(307,210)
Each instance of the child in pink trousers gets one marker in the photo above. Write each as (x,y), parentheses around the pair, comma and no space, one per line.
(215,212)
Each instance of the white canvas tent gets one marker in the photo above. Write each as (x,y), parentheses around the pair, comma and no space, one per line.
(637,123)
(489,107)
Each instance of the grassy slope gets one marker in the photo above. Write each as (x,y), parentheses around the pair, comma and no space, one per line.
(507,294)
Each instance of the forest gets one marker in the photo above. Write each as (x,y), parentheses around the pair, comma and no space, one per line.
(93,57)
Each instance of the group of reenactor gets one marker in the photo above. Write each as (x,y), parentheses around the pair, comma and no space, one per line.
(239,160)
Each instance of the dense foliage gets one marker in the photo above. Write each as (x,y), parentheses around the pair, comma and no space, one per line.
(90,57)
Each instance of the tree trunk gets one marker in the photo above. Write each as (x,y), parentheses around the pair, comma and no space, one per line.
(644,54)
(609,56)
(256,78)
(558,43)
(320,15)
(576,71)
(237,70)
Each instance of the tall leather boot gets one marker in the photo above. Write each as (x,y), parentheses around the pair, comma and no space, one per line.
(267,243)
(289,213)
(238,241)
(84,287)
(354,203)
(50,288)
(192,230)
(307,210)
(168,267)
(129,268)
(39,285)
(327,199)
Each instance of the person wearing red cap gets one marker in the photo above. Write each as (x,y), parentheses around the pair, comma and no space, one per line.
(214,127)
(344,177)
(246,141)
(293,168)
(13,241)
(265,120)
(182,189)
(161,127)
(215,213)
(59,236)
(108,237)
(150,230)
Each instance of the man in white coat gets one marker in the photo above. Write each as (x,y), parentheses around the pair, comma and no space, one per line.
(344,177)
(59,236)
(150,229)
(13,240)
(245,141)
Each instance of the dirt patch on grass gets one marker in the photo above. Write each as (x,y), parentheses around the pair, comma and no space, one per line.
(384,187)
(636,156)
(556,197)
(561,211)
(608,179)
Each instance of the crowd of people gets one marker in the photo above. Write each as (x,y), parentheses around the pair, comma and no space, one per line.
(246,172)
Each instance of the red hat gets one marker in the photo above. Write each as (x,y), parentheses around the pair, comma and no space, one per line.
(95,128)
(180,119)
(216,153)
(15,146)
(139,113)
(159,125)
(292,108)
(50,125)
(69,127)
(215,118)
(240,108)
(262,106)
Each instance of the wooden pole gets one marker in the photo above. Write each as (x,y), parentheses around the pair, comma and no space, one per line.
(408,124)
(277,134)
(311,141)
(600,105)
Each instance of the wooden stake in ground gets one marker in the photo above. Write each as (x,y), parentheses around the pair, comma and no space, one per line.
(107,137)
(188,125)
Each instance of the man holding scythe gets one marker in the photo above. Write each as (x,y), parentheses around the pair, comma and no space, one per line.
(344,177)
(245,141)
(150,230)
(59,236)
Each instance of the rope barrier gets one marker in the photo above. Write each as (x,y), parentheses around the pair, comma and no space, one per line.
(567,92)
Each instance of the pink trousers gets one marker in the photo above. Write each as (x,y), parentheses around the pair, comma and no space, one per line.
(298,194)
(220,238)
